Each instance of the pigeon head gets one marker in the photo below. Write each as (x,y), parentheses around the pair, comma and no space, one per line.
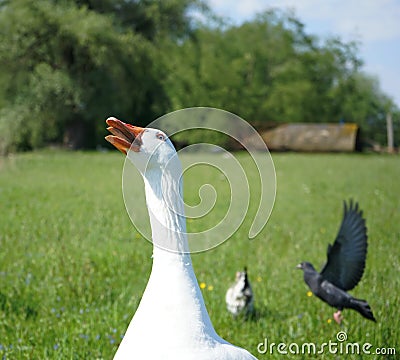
(241,278)
(305,266)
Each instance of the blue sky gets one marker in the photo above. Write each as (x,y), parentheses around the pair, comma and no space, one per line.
(374,23)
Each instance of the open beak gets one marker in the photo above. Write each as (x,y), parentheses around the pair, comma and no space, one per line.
(124,136)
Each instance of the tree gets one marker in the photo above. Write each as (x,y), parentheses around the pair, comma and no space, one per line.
(269,70)
(66,65)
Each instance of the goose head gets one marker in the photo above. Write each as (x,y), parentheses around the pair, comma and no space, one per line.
(147,148)
(154,155)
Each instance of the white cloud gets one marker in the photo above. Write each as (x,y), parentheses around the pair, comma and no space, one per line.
(373,20)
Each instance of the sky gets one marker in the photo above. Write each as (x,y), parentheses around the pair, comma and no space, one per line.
(374,24)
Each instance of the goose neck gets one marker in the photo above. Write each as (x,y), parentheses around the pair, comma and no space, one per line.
(166,210)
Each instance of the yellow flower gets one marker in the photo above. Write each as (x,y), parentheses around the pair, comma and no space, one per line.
(329,321)
(202,285)
(259,278)
(309,293)
(210,288)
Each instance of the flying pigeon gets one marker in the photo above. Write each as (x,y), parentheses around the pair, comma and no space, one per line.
(239,297)
(344,268)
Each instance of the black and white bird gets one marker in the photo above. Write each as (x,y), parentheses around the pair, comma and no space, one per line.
(239,297)
(344,268)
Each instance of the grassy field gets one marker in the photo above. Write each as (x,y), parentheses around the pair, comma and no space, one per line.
(73,268)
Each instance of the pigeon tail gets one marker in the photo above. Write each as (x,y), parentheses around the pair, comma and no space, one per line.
(362,307)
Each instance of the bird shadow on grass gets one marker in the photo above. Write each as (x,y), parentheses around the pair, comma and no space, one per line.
(262,313)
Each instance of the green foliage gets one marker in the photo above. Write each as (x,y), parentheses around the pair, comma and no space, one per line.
(73,269)
(271,70)
(67,65)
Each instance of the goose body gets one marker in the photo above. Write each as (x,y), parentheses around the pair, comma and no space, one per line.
(171,322)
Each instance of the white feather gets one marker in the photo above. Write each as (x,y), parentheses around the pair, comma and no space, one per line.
(171,322)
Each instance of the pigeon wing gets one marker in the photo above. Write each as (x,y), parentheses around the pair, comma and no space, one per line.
(346,257)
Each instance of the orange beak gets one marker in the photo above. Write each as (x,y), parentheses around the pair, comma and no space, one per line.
(124,136)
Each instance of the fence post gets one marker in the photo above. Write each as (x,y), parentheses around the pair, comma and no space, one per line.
(389,127)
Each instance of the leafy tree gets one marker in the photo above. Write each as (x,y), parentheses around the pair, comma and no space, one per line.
(67,65)
(270,70)
(153,19)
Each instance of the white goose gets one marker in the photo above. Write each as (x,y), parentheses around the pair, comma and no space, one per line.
(177,326)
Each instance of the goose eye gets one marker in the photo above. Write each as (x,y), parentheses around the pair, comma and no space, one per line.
(160,137)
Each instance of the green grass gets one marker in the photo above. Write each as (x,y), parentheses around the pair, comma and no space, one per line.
(72,267)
